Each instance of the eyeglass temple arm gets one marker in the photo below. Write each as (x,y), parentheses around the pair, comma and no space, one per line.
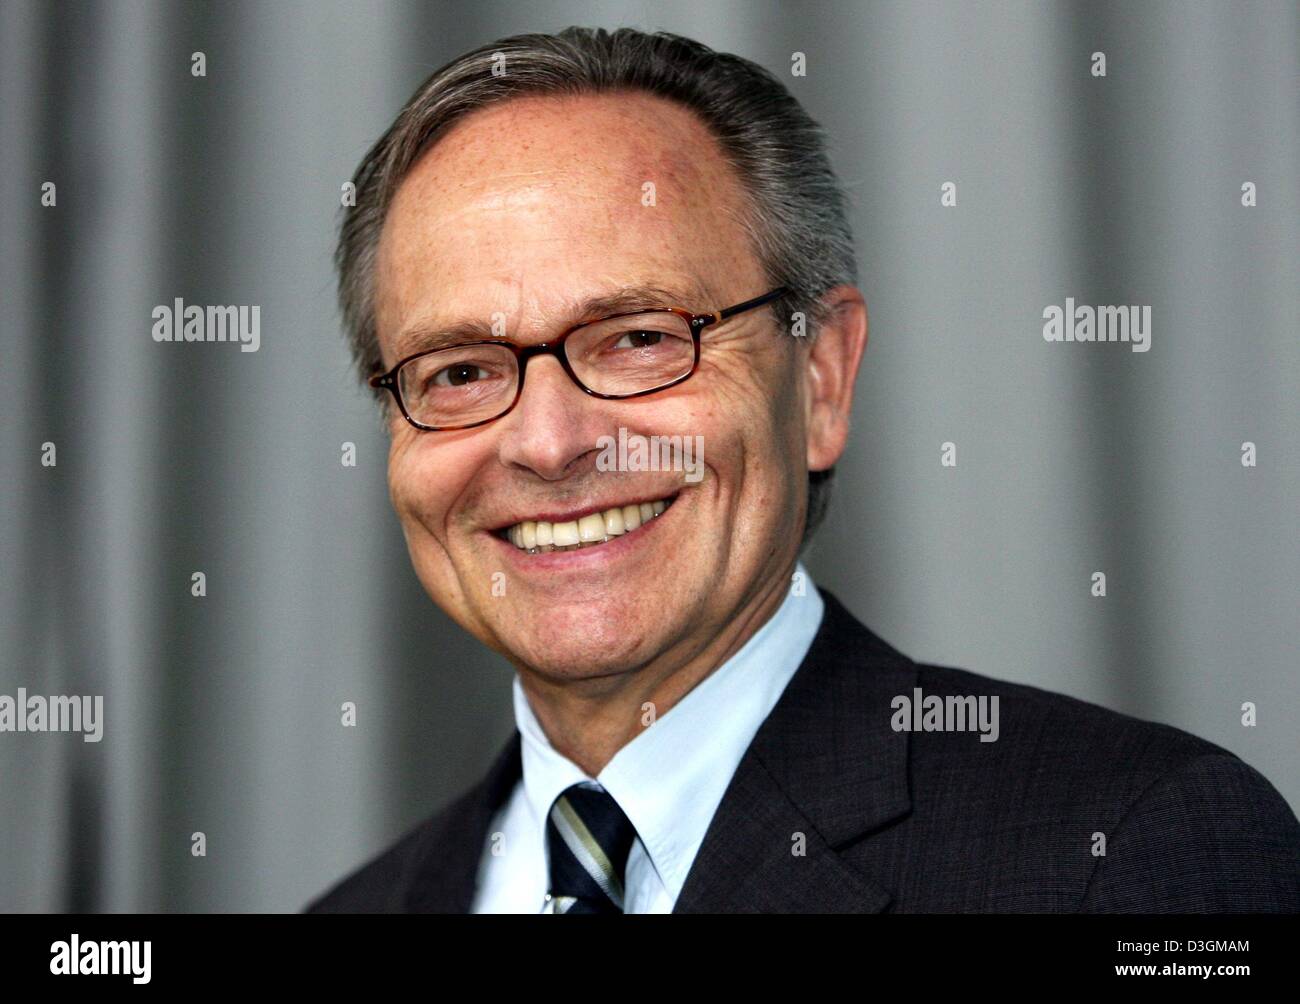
(758,301)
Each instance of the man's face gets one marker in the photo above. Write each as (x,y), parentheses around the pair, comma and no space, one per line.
(525,210)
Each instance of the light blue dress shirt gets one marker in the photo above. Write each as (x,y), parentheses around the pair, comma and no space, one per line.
(669,779)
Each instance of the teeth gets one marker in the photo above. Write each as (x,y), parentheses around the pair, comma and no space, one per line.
(592,527)
(538,536)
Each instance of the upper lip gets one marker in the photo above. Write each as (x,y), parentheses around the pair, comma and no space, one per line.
(576,513)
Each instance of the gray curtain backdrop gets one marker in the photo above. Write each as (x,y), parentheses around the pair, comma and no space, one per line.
(223,712)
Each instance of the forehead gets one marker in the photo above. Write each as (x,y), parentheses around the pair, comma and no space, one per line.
(541,202)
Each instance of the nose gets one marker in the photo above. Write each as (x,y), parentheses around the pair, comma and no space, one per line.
(554,424)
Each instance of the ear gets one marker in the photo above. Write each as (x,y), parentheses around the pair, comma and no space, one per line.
(830,372)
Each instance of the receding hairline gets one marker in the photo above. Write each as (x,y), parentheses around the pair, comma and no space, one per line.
(679,289)
(678,160)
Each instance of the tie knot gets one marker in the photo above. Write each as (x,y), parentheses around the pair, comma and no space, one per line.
(589,839)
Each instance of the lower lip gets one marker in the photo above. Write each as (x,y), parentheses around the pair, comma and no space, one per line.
(585,557)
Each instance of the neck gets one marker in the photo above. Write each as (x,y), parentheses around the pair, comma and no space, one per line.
(590,720)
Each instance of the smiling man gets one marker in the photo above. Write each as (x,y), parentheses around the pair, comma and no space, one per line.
(564,241)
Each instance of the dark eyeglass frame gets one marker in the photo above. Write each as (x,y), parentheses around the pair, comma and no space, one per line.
(698,322)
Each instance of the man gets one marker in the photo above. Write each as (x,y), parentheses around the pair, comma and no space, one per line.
(566,242)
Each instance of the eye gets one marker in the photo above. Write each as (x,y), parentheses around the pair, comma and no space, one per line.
(638,339)
(458,375)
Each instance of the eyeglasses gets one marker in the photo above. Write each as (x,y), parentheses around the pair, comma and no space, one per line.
(625,355)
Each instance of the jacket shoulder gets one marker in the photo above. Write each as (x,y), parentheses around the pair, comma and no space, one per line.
(1211,836)
(1132,815)
(1055,728)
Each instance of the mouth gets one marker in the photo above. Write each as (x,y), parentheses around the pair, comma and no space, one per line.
(591,529)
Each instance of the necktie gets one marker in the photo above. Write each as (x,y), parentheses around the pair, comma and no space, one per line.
(588,839)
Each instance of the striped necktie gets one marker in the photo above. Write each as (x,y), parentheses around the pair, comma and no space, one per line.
(588,839)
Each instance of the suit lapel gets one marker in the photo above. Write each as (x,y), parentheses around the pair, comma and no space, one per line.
(825,764)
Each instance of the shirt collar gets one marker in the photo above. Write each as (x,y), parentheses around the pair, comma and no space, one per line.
(671,777)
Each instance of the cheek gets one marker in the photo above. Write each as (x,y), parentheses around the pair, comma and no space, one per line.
(413,484)
(769,447)
(761,419)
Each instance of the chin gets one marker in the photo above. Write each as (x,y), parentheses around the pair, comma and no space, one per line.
(587,643)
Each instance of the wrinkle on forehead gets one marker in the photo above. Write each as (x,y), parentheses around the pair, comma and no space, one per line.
(546,188)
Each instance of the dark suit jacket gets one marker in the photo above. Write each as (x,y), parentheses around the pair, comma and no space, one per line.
(927,821)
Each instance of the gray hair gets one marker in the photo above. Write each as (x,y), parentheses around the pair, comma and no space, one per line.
(796,216)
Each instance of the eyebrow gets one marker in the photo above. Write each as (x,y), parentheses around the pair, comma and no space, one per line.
(422,337)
